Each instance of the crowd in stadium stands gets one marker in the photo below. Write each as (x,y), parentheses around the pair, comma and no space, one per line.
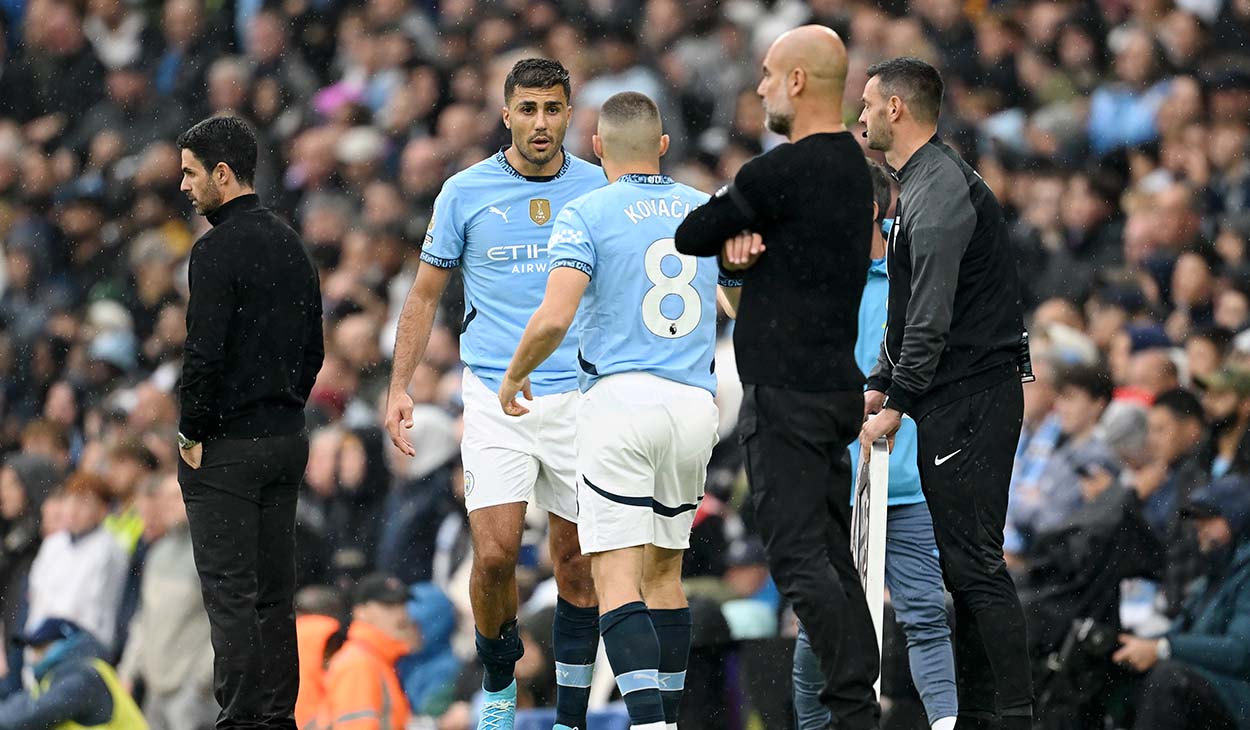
(1116,133)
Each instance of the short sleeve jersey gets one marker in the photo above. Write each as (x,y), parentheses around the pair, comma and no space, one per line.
(495,223)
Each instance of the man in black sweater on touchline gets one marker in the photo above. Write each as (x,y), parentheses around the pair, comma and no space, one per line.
(810,202)
(253,350)
(953,357)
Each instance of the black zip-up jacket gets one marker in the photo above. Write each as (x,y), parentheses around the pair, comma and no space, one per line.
(254,334)
(955,321)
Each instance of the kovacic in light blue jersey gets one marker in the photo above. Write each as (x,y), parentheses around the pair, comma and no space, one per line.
(495,224)
(647,308)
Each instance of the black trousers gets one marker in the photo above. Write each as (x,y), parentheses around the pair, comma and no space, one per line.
(800,476)
(1175,697)
(241,507)
(966,451)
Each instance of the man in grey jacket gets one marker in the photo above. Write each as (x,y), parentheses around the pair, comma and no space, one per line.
(953,358)
(169,647)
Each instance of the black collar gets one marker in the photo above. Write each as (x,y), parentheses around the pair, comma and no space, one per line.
(502,159)
(242,204)
(645,179)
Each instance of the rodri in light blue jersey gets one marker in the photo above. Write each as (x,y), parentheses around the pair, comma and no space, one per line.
(647,308)
(495,224)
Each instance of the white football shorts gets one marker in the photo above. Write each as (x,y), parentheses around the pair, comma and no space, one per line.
(528,459)
(643,443)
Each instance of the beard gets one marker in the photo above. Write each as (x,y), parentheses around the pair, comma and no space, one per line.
(882,138)
(209,201)
(536,158)
(779,123)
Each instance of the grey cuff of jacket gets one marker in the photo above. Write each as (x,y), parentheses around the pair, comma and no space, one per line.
(879,383)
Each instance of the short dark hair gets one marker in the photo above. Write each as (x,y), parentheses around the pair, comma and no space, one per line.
(1093,380)
(629,106)
(223,139)
(913,81)
(881,188)
(1183,404)
(537,73)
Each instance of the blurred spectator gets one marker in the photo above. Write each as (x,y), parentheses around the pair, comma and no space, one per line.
(320,618)
(25,482)
(1226,405)
(130,464)
(77,688)
(1175,432)
(128,119)
(356,509)
(752,604)
(169,649)
(80,570)
(185,53)
(361,681)
(422,508)
(66,77)
(429,675)
(1044,503)
(1122,112)
(118,31)
(1195,675)
(271,56)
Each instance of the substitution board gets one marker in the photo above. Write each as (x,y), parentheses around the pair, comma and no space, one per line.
(872,497)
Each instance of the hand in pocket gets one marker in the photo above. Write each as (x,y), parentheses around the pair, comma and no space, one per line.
(193,456)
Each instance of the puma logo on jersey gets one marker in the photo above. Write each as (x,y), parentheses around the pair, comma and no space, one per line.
(501,213)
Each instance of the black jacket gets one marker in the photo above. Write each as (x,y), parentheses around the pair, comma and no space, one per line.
(254,333)
(799,317)
(955,320)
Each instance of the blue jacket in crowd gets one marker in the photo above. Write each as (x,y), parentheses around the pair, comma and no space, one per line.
(1212,633)
(429,675)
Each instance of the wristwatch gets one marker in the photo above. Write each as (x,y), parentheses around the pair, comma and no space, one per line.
(186,443)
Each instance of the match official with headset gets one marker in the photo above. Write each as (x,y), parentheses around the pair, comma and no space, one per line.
(253,350)
(953,358)
(811,202)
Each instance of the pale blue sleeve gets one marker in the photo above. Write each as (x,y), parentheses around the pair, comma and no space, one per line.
(570,244)
(444,239)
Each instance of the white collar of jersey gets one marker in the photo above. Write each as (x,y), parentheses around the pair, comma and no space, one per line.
(502,159)
(642,179)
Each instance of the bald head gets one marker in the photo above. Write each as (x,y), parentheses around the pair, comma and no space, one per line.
(819,53)
(630,129)
(804,78)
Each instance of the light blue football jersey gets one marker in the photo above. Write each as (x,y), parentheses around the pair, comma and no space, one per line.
(647,308)
(495,224)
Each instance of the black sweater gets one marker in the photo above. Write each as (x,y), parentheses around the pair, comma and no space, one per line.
(254,337)
(955,321)
(811,201)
